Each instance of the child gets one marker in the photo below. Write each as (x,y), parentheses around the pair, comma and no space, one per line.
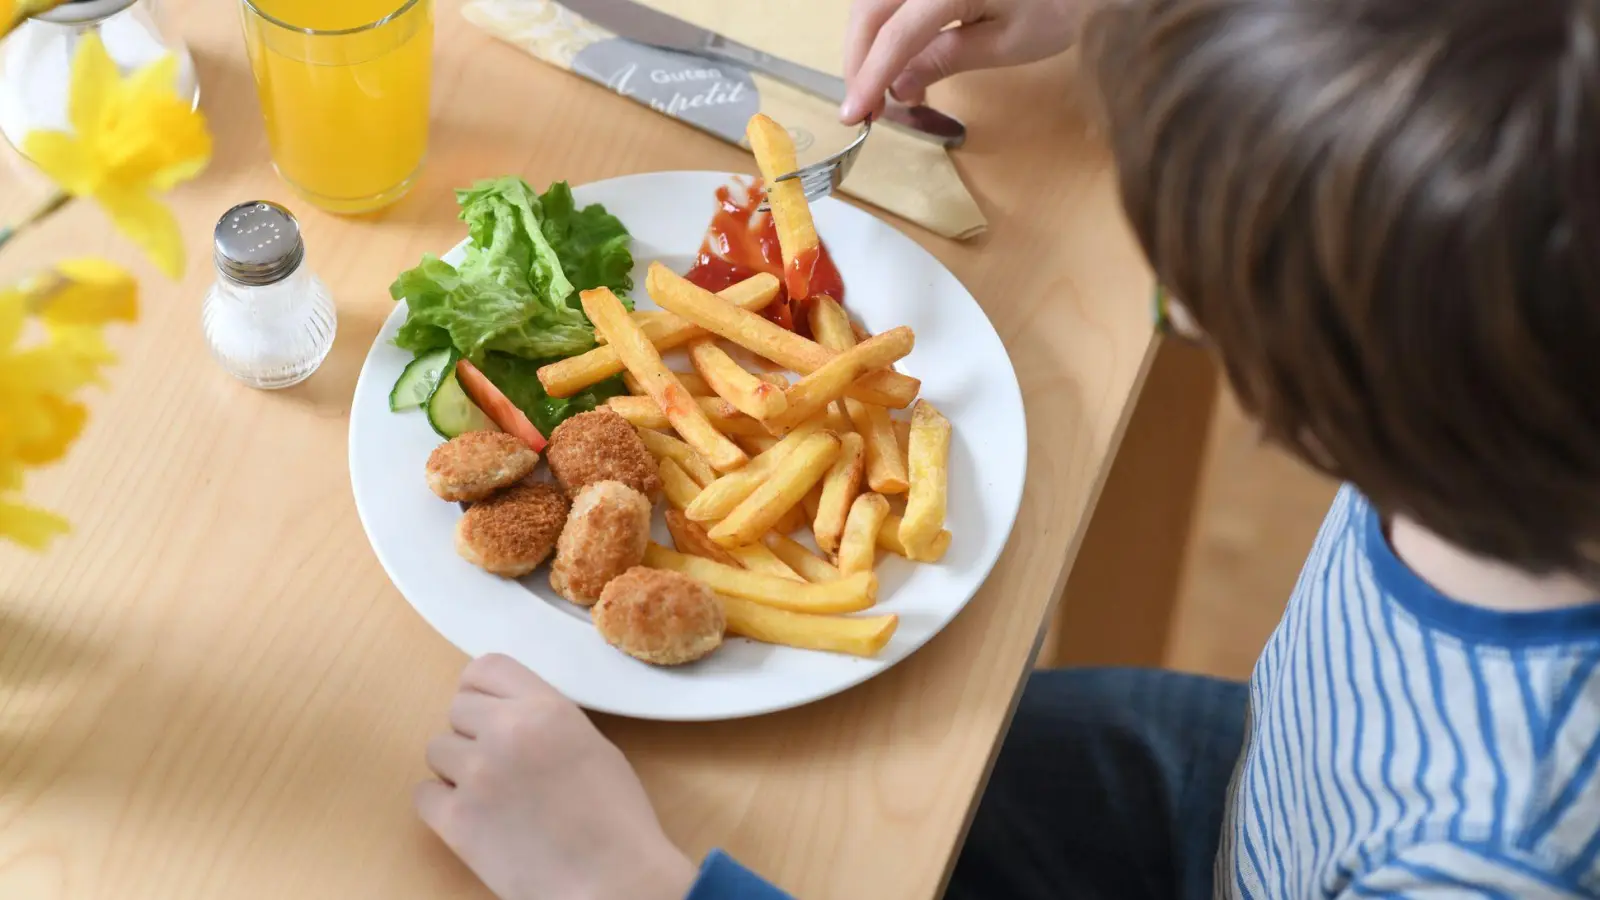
(1384,217)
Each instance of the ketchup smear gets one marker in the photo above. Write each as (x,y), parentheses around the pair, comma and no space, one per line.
(742,242)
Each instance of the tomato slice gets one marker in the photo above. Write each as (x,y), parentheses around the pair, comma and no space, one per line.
(497,406)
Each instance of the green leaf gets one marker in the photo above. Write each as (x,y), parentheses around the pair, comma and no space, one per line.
(518,379)
(594,247)
(516,289)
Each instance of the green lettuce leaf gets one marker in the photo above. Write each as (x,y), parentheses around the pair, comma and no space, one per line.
(518,379)
(593,245)
(516,289)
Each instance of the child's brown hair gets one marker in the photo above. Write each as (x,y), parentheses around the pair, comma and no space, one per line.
(1385,215)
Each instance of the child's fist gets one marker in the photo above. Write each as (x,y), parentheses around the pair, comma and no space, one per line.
(537,802)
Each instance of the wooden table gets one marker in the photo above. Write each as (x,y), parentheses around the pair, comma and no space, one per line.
(211,689)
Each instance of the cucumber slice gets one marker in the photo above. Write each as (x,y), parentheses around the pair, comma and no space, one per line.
(451,412)
(416,384)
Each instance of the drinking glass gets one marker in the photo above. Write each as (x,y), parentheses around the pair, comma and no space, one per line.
(344,88)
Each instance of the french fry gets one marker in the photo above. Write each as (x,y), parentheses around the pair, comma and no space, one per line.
(858,636)
(835,420)
(859,546)
(757,558)
(902,437)
(755,444)
(676,484)
(690,380)
(886,468)
(839,490)
(641,358)
(812,394)
(889,539)
(830,325)
(792,521)
(811,567)
(721,496)
(571,375)
(643,412)
(767,339)
(750,395)
(929,462)
(783,489)
(797,233)
(665,446)
(813,502)
(641,318)
(690,538)
(851,594)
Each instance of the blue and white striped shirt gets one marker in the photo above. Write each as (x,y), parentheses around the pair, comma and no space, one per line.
(1402,744)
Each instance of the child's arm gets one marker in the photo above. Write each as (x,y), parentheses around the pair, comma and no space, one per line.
(723,879)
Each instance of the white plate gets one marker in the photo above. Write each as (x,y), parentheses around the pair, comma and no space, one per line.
(889,281)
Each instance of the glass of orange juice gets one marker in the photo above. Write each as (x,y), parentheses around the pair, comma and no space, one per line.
(344,89)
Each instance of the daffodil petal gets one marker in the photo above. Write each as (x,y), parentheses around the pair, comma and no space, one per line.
(32,528)
(91,292)
(10,475)
(148,223)
(94,79)
(64,159)
(160,76)
(64,421)
(13,314)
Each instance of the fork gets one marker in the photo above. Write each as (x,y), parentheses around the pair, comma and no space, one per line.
(821,178)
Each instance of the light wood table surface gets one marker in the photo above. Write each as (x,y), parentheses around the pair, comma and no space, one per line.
(210,690)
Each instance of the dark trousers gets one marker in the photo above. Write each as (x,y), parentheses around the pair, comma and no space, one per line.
(1111,784)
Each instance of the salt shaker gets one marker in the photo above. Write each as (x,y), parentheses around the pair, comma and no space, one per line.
(268,320)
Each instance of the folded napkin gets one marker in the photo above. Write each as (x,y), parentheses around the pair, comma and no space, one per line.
(905,175)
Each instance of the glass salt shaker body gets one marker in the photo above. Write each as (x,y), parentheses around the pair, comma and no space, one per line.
(268,320)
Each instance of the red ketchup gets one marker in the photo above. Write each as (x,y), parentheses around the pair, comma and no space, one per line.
(742,242)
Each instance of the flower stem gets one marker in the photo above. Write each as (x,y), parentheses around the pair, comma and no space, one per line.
(41,212)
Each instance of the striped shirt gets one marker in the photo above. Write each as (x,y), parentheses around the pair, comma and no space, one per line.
(1402,744)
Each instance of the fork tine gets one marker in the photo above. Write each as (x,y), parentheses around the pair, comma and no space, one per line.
(821,178)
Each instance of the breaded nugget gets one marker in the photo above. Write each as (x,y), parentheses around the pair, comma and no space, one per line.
(663,618)
(474,465)
(606,534)
(601,446)
(513,532)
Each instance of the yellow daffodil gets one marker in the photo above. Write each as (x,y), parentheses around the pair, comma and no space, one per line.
(39,419)
(132,138)
(12,12)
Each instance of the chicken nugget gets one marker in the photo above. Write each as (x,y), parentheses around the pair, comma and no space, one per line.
(662,618)
(474,465)
(512,533)
(601,446)
(605,535)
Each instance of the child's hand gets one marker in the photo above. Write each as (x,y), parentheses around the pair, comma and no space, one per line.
(898,45)
(539,804)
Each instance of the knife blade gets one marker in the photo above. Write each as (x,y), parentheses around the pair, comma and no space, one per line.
(644,25)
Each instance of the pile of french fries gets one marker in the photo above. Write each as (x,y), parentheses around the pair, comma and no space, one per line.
(749,458)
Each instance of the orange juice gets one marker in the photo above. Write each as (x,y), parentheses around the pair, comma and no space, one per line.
(344,89)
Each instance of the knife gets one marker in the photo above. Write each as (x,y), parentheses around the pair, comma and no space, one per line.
(644,25)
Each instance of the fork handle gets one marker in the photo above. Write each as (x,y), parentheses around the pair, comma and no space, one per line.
(923,121)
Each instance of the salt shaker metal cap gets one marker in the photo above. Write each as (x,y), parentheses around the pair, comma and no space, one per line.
(257,243)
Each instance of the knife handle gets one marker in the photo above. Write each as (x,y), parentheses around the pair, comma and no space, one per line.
(923,121)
